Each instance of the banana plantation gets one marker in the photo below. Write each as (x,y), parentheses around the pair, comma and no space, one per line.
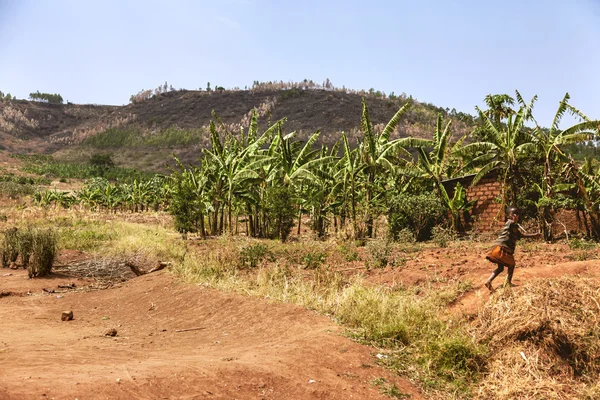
(266,184)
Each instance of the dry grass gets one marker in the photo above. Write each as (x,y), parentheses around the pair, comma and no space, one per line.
(544,342)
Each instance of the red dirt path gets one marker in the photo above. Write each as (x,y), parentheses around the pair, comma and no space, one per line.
(248,348)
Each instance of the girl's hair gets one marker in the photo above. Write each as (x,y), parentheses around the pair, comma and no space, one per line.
(512,211)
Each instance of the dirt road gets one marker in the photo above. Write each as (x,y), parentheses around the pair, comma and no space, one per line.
(246,348)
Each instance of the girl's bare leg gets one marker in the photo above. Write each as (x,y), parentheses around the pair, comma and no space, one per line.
(509,276)
(495,273)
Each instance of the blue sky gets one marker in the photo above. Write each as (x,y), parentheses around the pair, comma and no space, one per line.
(447,52)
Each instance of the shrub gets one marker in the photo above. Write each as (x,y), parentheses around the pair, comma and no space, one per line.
(43,251)
(441,236)
(10,247)
(581,244)
(313,259)
(405,236)
(419,213)
(251,255)
(349,252)
(280,212)
(379,253)
(16,190)
(25,245)
(37,249)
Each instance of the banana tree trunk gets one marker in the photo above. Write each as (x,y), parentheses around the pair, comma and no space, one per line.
(201,221)
(368,199)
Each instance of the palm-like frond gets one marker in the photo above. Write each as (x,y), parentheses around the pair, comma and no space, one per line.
(392,124)
(486,169)
(497,137)
(367,129)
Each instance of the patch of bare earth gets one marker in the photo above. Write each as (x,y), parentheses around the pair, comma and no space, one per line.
(173,341)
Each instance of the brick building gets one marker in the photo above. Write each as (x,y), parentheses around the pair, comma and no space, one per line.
(487,215)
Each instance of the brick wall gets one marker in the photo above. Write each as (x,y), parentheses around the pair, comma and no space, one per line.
(488,217)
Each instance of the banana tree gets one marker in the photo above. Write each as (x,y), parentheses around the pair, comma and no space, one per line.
(439,164)
(506,145)
(379,153)
(349,172)
(237,164)
(550,142)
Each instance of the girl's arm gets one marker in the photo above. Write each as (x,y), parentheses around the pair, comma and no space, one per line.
(528,235)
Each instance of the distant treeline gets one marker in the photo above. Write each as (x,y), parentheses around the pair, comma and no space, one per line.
(46,97)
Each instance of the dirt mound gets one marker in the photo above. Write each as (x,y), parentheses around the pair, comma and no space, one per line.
(237,347)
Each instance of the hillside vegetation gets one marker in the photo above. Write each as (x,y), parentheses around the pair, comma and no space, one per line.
(179,120)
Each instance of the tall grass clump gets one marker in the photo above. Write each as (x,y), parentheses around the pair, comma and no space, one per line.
(43,252)
(10,247)
(36,249)
(25,245)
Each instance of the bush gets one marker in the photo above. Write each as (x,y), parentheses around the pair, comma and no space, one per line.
(313,259)
(349,252)
(37,249)
(251,255)
(581,244)
(280,212)
(43,251)
(405,236)
(10,247)
(25,246)
(441,236)
(15,190)
(379,253)
(418,213)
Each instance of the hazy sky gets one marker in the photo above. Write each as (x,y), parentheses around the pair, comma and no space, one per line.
(447,52)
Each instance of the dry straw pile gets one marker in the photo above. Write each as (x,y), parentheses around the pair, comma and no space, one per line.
(543,341)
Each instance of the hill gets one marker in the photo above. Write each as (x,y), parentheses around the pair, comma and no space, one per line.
(177,121)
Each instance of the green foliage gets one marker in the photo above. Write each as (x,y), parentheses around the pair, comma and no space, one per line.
(454,356)
(406,236)
(137,196)
(10,247)
(418,213)
(314,259)
(349,251)
(37,249)
(132,137)
(280,212)
(379,252)
(581,244)
(15,190)
(6,97)
(102,161)
(43,252)
(46,97)
(24,180)
(441,235)
(253,254)
(47,166)
(266,181)
(389,389)
(25,245)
